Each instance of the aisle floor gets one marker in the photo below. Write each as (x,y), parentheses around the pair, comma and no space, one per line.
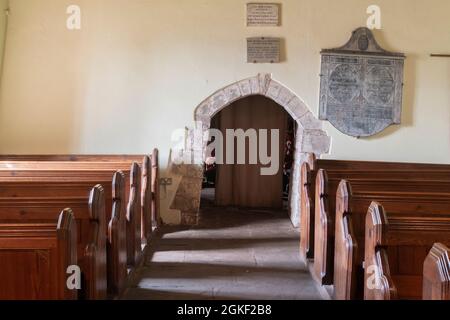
(232,254)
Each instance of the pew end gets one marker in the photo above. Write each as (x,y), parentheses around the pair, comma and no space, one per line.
(345,246)
(436,273)
(117,244)
(311,160)
(307,214)
(133,224)
(323,231)
(95,252)
(378,284)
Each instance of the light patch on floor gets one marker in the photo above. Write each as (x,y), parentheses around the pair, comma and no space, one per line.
(233,254)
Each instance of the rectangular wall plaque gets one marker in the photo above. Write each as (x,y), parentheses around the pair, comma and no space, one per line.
(263,15)
(263,50)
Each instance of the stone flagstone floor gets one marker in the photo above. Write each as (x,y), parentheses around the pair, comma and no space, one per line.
(232,254)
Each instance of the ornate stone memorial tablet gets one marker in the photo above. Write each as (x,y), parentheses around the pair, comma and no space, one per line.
(263,50)
(263,14)
(361,86)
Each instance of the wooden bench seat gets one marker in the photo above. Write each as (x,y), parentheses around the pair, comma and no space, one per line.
(325,206)
(31,201)
(309,171)
(395,250)
(351,210)
(149,165)
(35,257)
(32,186)
(88,173)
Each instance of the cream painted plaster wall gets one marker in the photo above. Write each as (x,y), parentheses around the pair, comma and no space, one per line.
(138,68)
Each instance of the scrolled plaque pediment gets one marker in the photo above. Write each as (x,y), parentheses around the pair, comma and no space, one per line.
(361,86)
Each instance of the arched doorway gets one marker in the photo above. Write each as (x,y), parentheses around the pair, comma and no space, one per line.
(310,139)
(258,175)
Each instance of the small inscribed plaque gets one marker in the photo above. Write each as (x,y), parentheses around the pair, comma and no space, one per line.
(263,50)
(263,14)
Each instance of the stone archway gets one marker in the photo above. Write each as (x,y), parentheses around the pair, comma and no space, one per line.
(310,139)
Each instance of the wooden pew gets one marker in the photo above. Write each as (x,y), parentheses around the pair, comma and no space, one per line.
(308,179)
(378,180)
(90,217)
(30,198)
(351,210)
(35,257)
(395,248)
(436,274)
(88,172)
(149,165)
(152,174)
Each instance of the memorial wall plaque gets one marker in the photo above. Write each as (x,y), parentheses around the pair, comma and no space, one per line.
(361,86)
(263,50)
(263,14)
